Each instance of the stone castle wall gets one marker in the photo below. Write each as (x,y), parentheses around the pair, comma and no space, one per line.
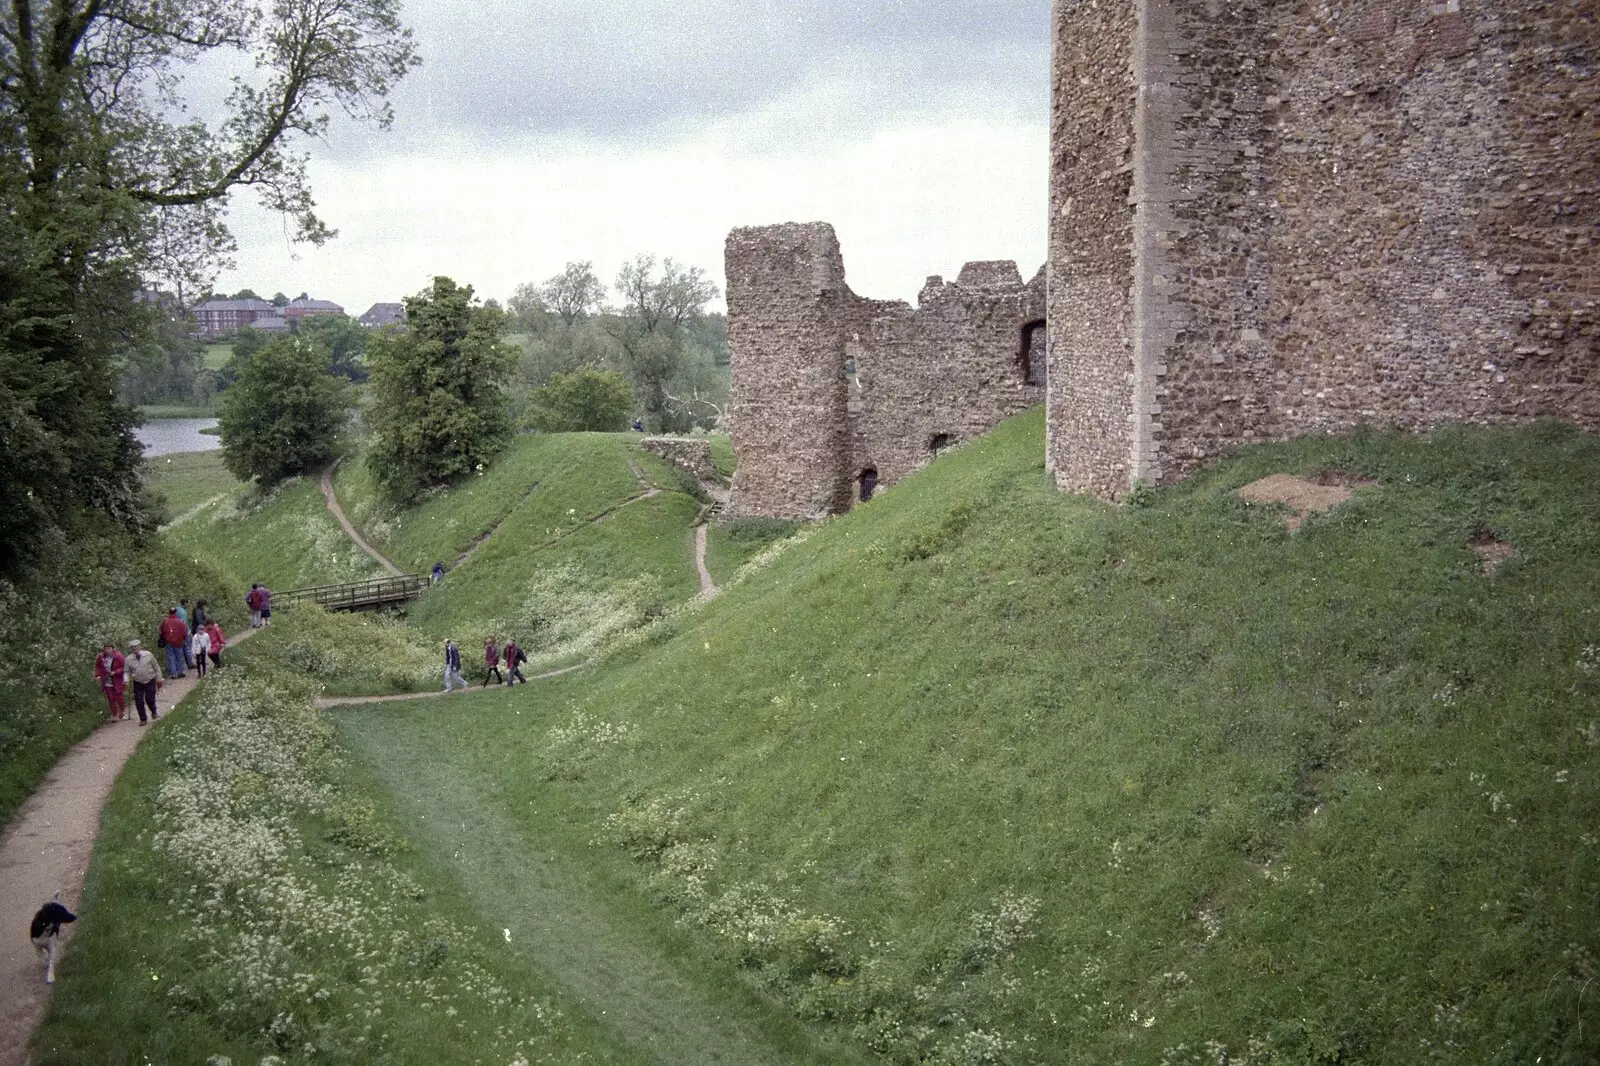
(1377,212)
(828,385)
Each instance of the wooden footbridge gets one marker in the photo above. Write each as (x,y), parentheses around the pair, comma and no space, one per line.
(356,595)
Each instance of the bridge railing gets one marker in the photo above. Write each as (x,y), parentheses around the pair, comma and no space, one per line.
(355,595)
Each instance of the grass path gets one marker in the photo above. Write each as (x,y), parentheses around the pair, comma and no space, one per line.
(46,849)
(604,946)
(338,512)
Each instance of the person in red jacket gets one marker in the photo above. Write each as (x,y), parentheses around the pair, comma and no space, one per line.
(218,640)
(175,639)
(110,669)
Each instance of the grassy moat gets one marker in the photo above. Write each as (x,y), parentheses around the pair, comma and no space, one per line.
(978,773)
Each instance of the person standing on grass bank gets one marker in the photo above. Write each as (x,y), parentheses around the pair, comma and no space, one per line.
(199,648)
(110,670)
(266,606)
(218,640)
(252,600)
(515,657)
(438,573)
(452,666)
(145,673)
(174,638)
(491,662)
(188,634)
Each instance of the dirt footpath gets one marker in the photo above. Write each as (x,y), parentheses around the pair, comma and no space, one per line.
(46,850)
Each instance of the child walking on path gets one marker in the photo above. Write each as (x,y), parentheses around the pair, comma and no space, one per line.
(218,641)
(199,649)
(491,662)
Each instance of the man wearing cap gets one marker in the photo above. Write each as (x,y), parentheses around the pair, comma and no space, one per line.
(145,673)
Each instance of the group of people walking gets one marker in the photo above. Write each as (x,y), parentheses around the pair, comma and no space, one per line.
(493,656)
(189,642)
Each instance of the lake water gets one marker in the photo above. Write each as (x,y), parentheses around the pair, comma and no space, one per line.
(163,436)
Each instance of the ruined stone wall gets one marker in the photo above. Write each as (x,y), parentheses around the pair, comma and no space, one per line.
(1380,211)
(943,373)
(690,454)
(903,379)
(1090,404)
(786,303)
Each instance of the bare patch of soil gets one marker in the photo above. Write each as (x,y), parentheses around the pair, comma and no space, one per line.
(1303,496)
(1491,549)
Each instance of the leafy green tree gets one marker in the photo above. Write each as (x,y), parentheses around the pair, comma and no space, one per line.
(284,414)
(108,187)
(246,343)
(439,407)
(344,338)
(575,293)
(246,294)
(584,400)
(653,330)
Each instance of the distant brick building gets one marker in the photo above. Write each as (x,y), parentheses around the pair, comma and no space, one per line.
(305,308)
(217,317)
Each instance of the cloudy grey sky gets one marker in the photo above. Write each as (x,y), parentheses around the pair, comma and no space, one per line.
(542,131)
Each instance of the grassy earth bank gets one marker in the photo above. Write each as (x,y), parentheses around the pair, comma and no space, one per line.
(983,773)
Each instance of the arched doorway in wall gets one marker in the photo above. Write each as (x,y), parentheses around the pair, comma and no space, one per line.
(1031,354)
(867,481)
(939,442)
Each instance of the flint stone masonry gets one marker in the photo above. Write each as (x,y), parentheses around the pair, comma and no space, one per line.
(686,453)
(1278,217)
(828,385)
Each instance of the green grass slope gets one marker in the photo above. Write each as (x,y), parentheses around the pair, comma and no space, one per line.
(548,482)
(984,773)
(553,544)
(186,480)
(284,539)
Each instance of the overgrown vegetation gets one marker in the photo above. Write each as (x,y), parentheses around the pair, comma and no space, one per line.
(109,195)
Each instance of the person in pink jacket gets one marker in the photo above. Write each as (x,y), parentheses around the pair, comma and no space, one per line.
(110,669)
(218,640)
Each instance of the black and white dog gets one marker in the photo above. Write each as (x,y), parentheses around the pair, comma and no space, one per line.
(46,930)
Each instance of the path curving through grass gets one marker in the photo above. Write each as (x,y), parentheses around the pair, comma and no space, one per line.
(45,853)
(332,499)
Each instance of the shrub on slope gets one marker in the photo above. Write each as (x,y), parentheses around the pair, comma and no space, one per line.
(985,773)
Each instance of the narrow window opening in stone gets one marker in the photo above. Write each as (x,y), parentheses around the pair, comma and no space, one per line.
(939,443)
(1032,355)
(869,481)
